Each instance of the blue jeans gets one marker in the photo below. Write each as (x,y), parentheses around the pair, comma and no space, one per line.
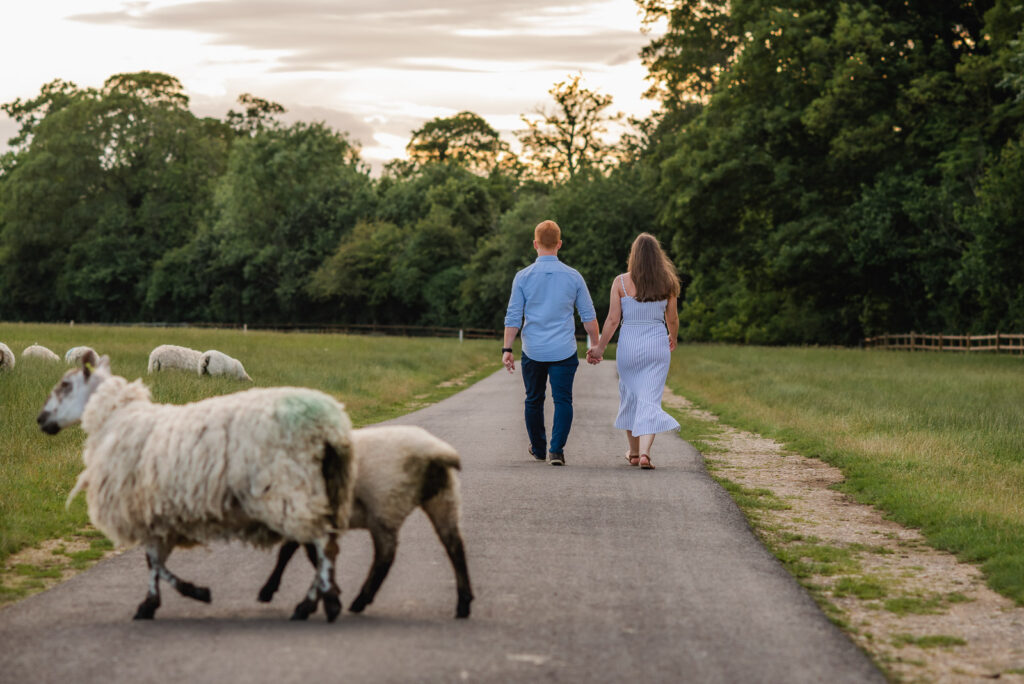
(535,376)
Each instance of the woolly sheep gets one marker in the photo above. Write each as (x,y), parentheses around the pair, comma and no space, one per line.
(39,352)
(263,466)
(75,354)
(6,357)
(172,356)
(399,468)
(213,362)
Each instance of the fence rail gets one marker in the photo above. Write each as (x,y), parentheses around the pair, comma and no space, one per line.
(1008,343)
(340,328)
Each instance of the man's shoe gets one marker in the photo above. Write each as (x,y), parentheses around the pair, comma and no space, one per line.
(535,456)
(556,459)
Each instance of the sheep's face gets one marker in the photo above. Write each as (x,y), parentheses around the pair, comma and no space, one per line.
(67,401)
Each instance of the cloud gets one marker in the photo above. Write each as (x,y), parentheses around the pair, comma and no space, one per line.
(325,35)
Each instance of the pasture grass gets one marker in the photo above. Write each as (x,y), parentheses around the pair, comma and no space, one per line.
(376,377)
(936,440)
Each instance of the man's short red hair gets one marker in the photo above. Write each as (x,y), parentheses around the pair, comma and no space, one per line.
(547,234)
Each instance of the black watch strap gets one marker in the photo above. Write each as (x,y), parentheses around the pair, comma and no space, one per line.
(506,349)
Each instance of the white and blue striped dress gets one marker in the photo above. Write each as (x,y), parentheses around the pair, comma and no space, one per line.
(642,359)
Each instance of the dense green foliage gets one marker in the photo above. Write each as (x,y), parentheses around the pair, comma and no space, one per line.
(819,171)
(934,440)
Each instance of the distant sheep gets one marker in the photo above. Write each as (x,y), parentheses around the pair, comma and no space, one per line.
(39,352)
(213,362)
(263,466)
(6,357)
(398,468)
(172,356)
(75,354)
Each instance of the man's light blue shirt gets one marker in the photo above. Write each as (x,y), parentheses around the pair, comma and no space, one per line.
(544,295)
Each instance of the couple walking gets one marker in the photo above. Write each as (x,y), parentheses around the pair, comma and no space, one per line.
(643,299)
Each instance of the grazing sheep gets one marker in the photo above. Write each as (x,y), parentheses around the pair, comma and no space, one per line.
(6,357)
(75,354)
(263,466)
(172,356)
(398,469)
(39,352)
(213,362)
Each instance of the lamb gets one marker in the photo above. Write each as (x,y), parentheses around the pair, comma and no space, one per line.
(75,354)
(263,466)
(39,352)
(213,362)
(172,356)
(6,357)
(398,468)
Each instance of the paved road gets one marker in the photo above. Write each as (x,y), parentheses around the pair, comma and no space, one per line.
(595,572)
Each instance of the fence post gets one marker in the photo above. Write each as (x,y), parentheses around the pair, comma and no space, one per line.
(941,346)
(912,346)
(997,341)
(460,335)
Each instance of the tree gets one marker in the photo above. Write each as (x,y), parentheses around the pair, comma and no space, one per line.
(464,139)
(257,115)
(562,143)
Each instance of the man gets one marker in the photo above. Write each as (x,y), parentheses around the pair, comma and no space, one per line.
(544,294)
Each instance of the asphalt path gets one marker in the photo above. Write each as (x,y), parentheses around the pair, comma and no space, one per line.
(592,572)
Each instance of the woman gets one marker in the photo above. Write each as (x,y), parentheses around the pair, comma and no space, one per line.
(644,299)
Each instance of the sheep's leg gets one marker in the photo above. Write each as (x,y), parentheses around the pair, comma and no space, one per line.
(155,556)
(288,550)
(443,512)
(184,588)
(385,544)
(324,584)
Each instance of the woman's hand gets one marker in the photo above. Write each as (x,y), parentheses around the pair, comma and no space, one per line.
(595,355)
(671,344)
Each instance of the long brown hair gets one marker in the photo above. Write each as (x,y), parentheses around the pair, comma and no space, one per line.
(653,273)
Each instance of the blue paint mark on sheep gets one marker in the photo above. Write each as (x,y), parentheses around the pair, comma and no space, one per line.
(300,411)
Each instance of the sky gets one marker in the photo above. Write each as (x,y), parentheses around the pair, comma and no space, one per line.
(377,69)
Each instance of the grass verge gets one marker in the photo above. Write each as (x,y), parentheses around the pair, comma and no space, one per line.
(935,440)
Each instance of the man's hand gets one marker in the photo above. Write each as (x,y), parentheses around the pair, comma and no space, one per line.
(509,361)
(593,357)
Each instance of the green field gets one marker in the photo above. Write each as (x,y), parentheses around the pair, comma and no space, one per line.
(376,377)
(936,440)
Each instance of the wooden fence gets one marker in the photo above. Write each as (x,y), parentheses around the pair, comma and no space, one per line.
(999,342)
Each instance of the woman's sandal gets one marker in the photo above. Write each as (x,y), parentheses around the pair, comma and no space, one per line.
(634,459)
(645,462)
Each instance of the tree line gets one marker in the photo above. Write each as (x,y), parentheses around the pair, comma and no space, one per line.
(818,171)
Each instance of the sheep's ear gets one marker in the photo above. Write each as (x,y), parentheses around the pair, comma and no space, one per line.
(88,363)
(104,362)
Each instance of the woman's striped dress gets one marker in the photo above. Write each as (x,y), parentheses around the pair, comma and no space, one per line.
(642,358)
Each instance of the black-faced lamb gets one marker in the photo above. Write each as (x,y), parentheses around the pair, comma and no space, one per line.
(6,357)
(37,351)
(213,362)
(75,354)
(263,466)
(168,356)
(399,468)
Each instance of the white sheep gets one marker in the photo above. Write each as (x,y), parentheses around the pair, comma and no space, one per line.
(399,468)
(37,351)
(213,362)
(172,356)
(6,357)
(75,354)
(263,466)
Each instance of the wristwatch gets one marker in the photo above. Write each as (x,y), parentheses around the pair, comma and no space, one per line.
(506,349)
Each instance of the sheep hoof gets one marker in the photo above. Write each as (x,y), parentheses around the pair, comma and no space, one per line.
(266,594)
(359,605)
(332,606)
(147,609)
(462,609)
(193,592)
(304,610)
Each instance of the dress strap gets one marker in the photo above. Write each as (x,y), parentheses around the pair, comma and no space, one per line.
(622,284)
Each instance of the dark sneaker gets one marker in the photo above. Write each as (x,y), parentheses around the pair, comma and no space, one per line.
(556,459)
(535,456)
